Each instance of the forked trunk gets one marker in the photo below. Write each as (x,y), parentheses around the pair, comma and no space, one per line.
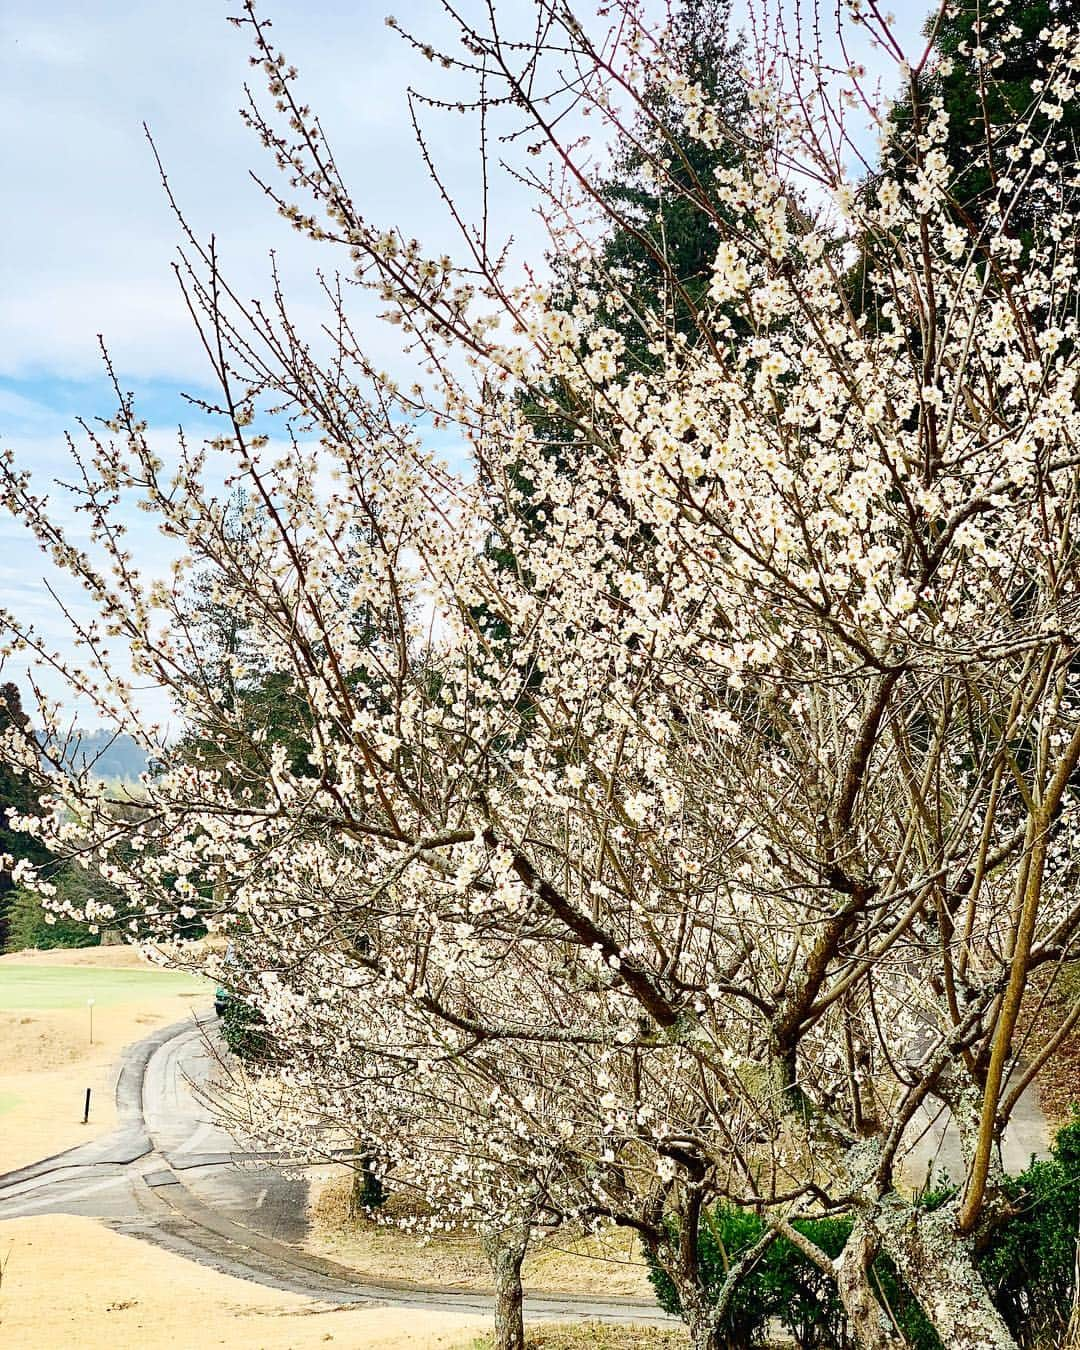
(936,1265)
(702,1319)
(702,1328)
(506,1251)
(705,1335)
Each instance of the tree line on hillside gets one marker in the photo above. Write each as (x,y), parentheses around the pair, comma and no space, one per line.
(25,921)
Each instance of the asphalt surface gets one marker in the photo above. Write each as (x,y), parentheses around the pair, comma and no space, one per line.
(935,1149)
(169,1175)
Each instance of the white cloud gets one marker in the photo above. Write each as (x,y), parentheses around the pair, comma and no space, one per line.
(89,246)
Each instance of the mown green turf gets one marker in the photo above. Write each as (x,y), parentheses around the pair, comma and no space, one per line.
(39,987)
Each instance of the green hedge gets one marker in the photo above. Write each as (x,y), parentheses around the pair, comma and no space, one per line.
(243,1030)
(1027,1266)
(786,1287)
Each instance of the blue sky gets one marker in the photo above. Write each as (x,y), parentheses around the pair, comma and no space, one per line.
(87,240)
(87,243)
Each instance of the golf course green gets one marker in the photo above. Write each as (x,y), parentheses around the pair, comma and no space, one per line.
(42,987)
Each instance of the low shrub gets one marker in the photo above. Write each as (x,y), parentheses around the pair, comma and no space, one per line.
(243,1030)
(1027,1264)
(784,1286)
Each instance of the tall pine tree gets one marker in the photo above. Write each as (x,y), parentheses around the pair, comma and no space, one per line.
(991,74)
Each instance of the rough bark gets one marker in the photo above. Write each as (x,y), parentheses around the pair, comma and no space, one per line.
(367,1191)
(870,1324)
(505,1252)
(703,1315)
(936,1264)
(1072,1333)
(701,1320)
(704,1336)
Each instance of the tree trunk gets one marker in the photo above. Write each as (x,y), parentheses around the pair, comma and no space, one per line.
(702,1316)
(936,1265)
(870,1324)
(1072,1334)
(367,1191)
(701,1323)
(706,1335)
(505,1252)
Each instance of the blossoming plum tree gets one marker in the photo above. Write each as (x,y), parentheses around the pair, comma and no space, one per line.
(698,851)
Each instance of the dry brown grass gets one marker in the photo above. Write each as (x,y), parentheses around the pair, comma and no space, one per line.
(605,1264)
(597,1336)
(48,1062)
(102,958)
(70,1282)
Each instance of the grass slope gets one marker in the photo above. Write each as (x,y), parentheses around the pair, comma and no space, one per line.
(597,1336)
(71,1284)
(47,1060)
(37,988)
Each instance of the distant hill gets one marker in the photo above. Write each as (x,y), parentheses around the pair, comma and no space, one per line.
(106,753)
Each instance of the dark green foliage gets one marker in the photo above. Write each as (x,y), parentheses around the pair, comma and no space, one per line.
(986,103)
(784,1285)
(1027,1264)
(663,236)
(28,925)
(265,711)
(787,1288)
(987,108)
(656,250)
(17,794)
(24,921)
(262,707)
(243,1030)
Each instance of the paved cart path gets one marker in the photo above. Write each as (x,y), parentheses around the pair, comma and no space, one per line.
(935,1141)
(171,1176)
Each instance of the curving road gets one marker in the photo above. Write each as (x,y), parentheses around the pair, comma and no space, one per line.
(169,1175)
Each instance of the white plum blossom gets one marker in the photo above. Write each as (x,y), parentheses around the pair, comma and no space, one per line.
(665,804)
